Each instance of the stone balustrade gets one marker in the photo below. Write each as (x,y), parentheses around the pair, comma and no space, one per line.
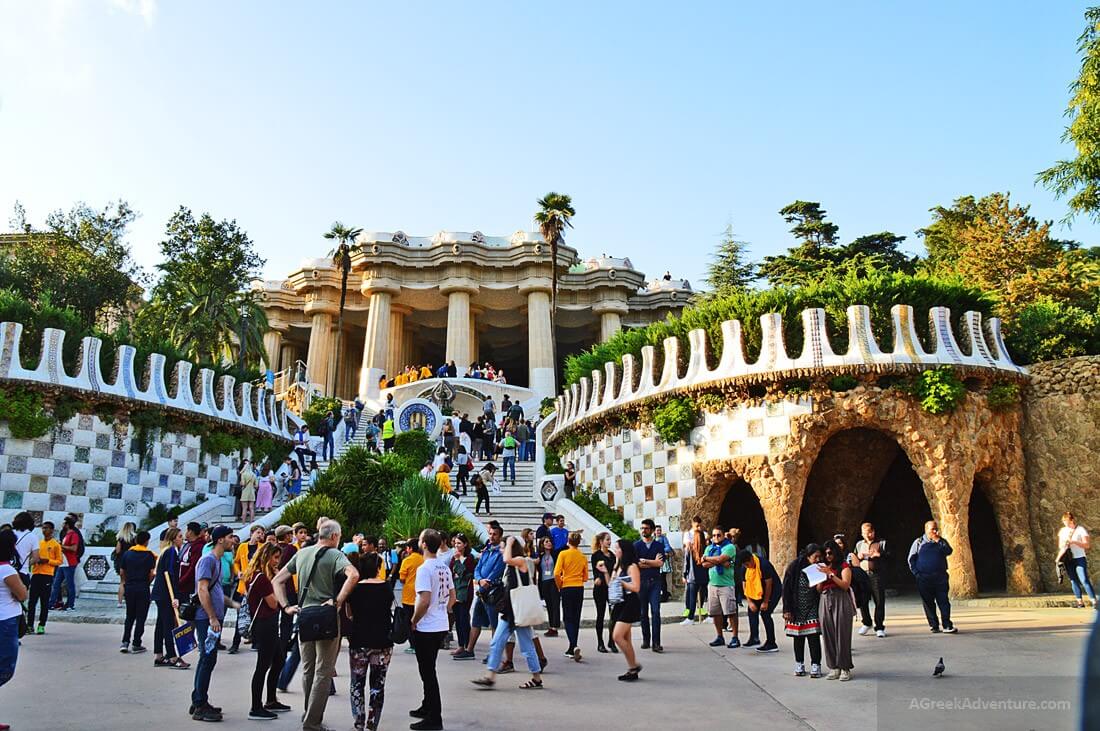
(242,405)
(976,347)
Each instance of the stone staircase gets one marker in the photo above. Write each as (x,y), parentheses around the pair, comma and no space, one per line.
(516,508)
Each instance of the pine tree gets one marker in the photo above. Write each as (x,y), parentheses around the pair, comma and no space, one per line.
(730,270)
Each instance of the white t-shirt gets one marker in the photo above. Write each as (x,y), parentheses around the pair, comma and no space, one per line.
(435,576)
(1077,534)
(25,543)
(8,606)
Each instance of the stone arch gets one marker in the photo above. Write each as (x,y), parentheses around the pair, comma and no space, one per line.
(727,493)
(987,545)
(741,509)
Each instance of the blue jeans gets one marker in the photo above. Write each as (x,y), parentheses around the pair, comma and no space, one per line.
(524,636)
(328,448)
(933,592)
(290,666)
(509,462)
(695,595)
(200,696)
(9,648)
(650,596)
(529,450)
(1079,577)
(484,615)
(68,575)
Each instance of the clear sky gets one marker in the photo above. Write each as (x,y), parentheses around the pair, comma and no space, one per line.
(664,121)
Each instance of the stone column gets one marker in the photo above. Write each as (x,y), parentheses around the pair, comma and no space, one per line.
(288,353)
(473,339)
(611,311)
(540,343)
(375,343)
(272,340)
(396,353)
(458,327)
(320,349)
(610,323)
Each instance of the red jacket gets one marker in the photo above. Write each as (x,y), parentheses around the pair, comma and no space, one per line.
(189,560)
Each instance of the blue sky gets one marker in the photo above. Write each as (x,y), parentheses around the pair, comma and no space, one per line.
(664,121)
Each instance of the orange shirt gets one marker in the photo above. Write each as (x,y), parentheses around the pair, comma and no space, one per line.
(408,577)
(51,551)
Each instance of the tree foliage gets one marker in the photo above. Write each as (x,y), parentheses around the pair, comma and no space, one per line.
(341,259)
(730,269)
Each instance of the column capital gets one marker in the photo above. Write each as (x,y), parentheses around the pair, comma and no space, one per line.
(535,285)
(321,307)
(449,286)
(379,285)
(619,308)
(399,309)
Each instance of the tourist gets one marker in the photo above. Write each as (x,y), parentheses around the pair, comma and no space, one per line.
(695,574)
(487,409)
(208,624)
(836,612)
(389,436)
(190,554)
(167,575)
(248,492)
(515,412)
(301,446)
(543,531)
(12,592)
(527,538)
(529,443)
(465,464)
(265,490)
(368,610)
(928,562)
(123,540)
(25,545)
(136,569)
(517,573)
(509,446)
(427,471)
(326,429)
(447,435)
(462,576)
(173,522)
(489,442)
(801,604)
(601,554)
(291,655)
(523,434)
(718,559)
(477,436)
(569,480)
(559,535)
(482,482)
(72,547)
(318,568)
(872,553)
(548,585)
(435,595)
(351,423)
(489,569)
(1076,539)
(46,559)
(264,631)
(651,558)
(624,583)
(666,569)
(412,562)
(242,559)
(443,478)
(762,590)
(571,573)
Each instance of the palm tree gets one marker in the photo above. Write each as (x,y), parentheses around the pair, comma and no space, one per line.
(555,214)
(341,257)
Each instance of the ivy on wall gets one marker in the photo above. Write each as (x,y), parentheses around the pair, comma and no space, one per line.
(938,390)
(674,419)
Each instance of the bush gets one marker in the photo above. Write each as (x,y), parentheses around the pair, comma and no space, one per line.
(674,419)
(551,460)
(1003,396)
(546,406)
(591,502)
(417,504)
(414,445)
(22,409)
(938,390)
(842,383)
(457,524)
(317,410)
(364,483)
(308,508)
(1049,330)
(161,513)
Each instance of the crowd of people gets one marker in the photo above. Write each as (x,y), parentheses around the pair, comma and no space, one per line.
(299,591)
(414,373)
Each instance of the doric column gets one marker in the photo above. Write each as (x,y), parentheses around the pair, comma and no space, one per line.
(272,340)
(288,353)
(320,349)
(395,360)
(540,343)
(376,341)
(610,323)
(611,311)
(458,326)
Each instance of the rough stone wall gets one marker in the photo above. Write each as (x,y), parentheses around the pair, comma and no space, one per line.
(1062,449)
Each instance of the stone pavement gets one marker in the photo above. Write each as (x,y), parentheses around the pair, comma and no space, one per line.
(74,677)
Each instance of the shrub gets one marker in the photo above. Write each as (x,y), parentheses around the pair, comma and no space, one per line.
(364,483)
(590,501)
(551,461)
(1003,396)
(1049,330)
(842,383)
(458,524)
(308,508)
(546,406)
(414,445)
(161,513)
(938,390)
(417,504)
(22,409)
(674,419)
(317,410)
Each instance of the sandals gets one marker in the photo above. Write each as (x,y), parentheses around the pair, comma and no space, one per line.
(532,684)
(484,682)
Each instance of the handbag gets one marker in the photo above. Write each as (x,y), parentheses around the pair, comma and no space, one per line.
(24,627)
(189,610)
(319,622)
(495,595)
(399,630)
(526,605)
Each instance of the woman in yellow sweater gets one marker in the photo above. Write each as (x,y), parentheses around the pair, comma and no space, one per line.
(443,478)
(570,573)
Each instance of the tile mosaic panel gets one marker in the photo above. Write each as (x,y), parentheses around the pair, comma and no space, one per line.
(166,450)
(13,500)
(114,491)
(162,480)
(38,483)
(95,504)
(130,509)
(102,441)
(177,467)
(147,494)
(42,449)
(99,472)
(57,502)
(61,468)
(85,422)
(118,458)
(65,436)
(83,454)
(175,499)
(80,487)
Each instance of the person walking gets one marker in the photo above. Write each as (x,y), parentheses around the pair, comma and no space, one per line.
(928,562)
(46,561)
(489,570)
(762,591)
(264,631)
(508,454)
(465,464)
(326,429)
(569,480)
(435,595)
(651,558)
(837,611)
(872,555)
(124,539)
(351,423)
(319,568)
(570,575)
(462,576)
(1075,538)
(208,624)
(370,620)
(12,592)
(248,492)
(482,483)
(389,433)
(137,567)
(624,582)
(518,573)
(801,604)
(167,575)
(548,586)
(601,554)
(696,576)
(718,559)
(25,546)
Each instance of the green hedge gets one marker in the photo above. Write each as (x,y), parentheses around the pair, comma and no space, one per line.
(414,445)
(591,502)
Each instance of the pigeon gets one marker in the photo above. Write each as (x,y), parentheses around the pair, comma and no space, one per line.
(937,672)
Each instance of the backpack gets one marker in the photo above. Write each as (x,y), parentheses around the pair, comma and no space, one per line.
(326,426)
(349,417)
(80,547)
(861,585)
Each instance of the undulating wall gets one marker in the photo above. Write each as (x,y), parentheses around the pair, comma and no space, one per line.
(1062,450)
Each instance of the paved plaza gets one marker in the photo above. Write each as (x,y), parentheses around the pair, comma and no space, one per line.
(999,653)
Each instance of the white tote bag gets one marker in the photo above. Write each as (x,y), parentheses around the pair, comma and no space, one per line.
(526,604)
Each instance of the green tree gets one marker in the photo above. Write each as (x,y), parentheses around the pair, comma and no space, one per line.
(881,250)
(79,260)
(1079,178)
(341,258)
(203,302)
(555,214)
(730,268)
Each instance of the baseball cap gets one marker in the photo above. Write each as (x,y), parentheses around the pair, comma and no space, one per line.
(283,530)
(219,532)
(547,515)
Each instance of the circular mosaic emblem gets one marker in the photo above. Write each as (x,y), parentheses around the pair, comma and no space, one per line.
(419,414)
(549,491)
(95,567)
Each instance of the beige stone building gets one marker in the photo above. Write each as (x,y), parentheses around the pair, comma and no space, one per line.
(461,297)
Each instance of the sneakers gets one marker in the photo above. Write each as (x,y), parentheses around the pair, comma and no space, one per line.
(753,642)
(734,643)
(934,630)
(207,714)
(645,645)
(262,714)
(276,707)
(137,649)
(124,647)
(568,653)
(767,648)
(658,649)
(550,633)
(815,670)
(833,675)
(41,630)
(950,630)
(845,675)
(880,633)
(799,670)
(426,725)
(687,613)
(410,650)
(701,613)
(717,642)
(463,655)
(864,631)
(687,621)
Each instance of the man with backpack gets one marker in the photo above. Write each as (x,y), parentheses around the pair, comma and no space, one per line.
(351,424)
(72,550)
(515,413)
(327,426)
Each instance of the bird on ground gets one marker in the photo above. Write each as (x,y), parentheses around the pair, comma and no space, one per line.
(937,671)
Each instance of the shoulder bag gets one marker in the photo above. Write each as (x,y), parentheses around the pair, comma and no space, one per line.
(318,622)
(526,605)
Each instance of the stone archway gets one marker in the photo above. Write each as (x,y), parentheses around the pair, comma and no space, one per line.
(985,540)
(741,509)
